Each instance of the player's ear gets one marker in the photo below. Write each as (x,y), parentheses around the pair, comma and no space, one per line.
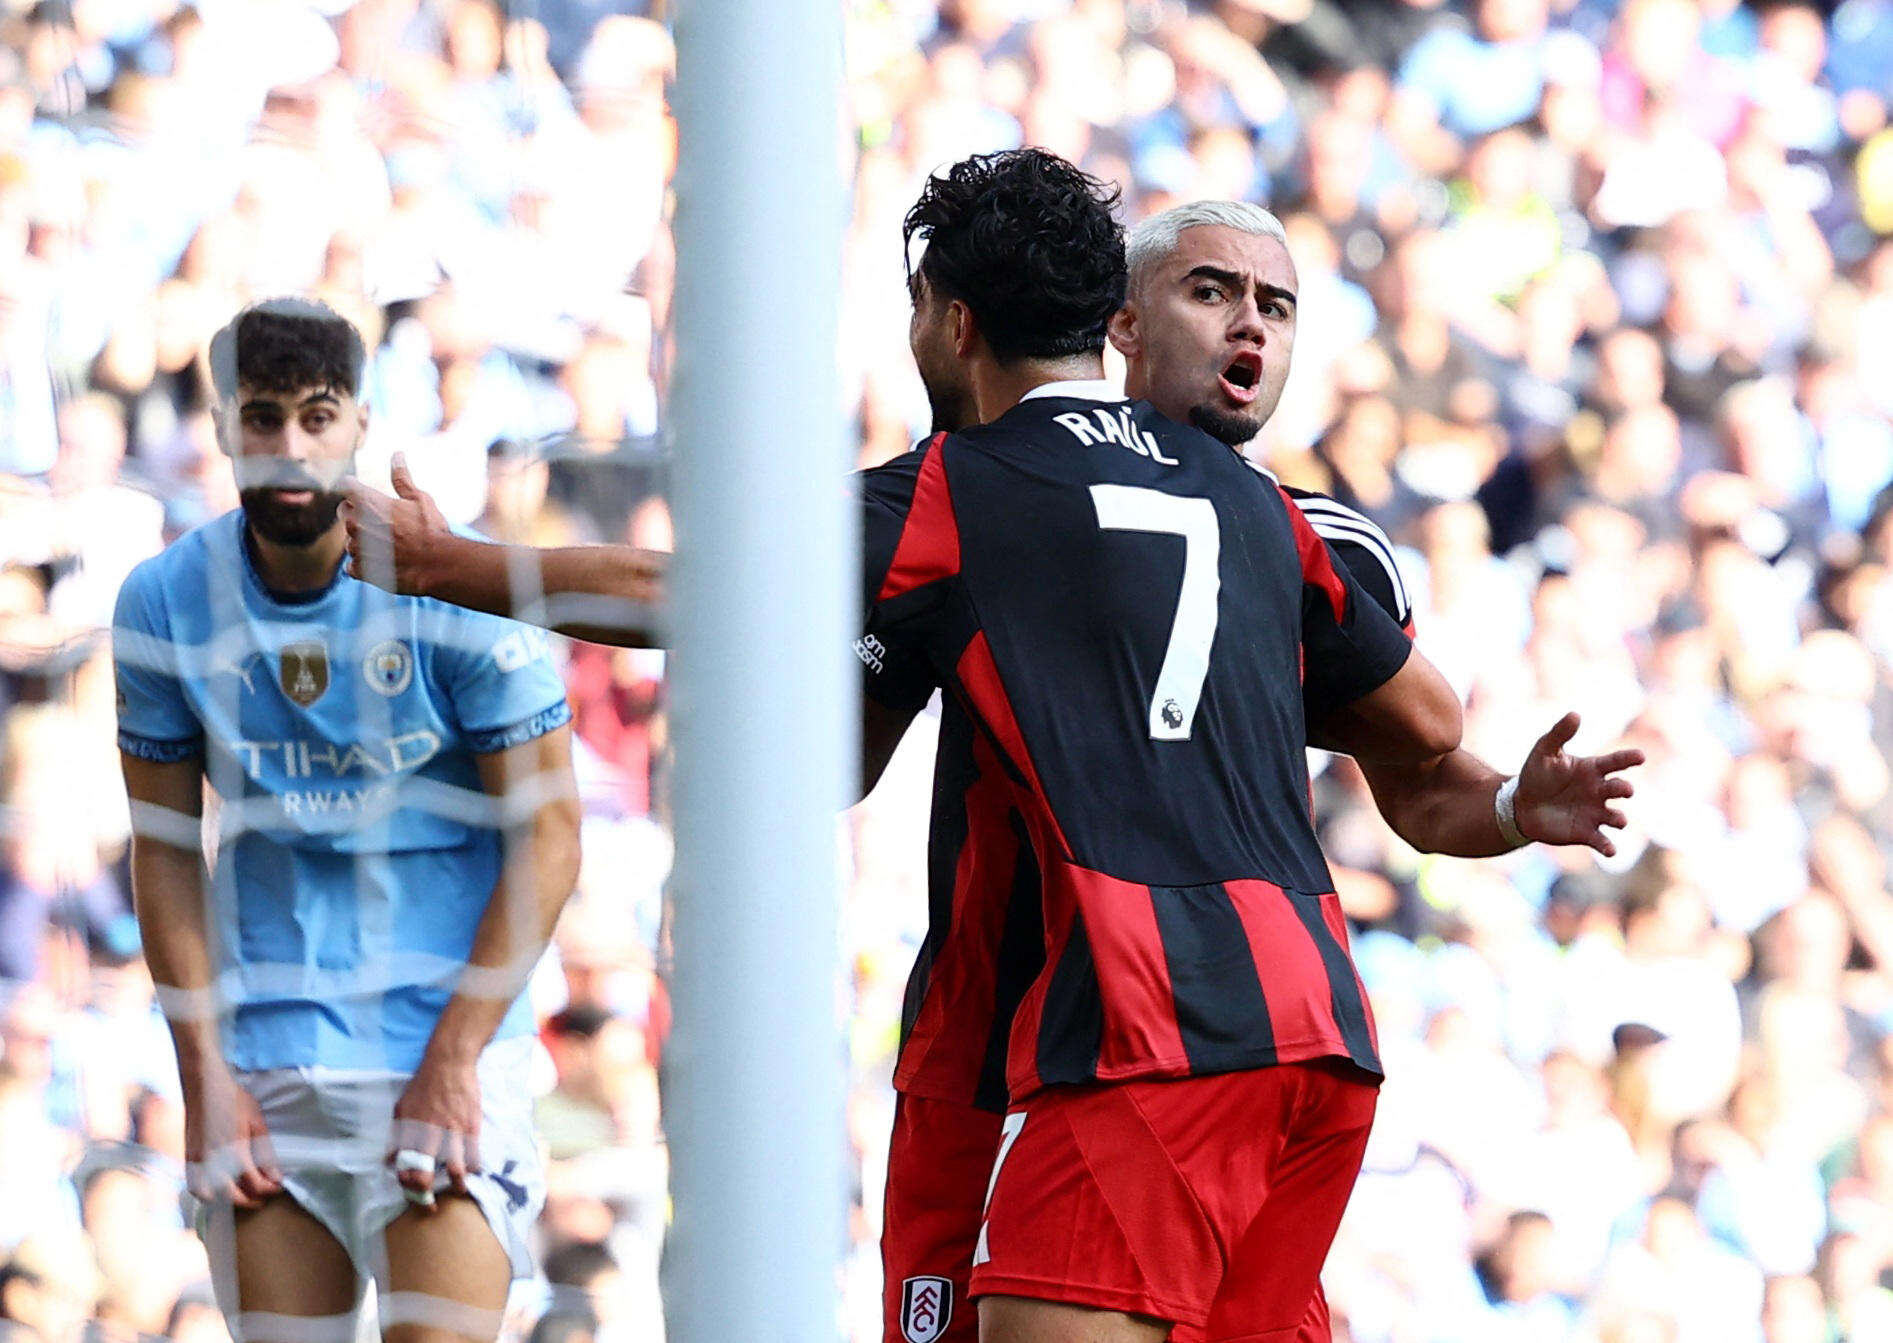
(965,328)
(229,422)
(1125,331)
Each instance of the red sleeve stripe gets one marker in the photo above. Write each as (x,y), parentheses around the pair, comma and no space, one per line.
(1316,565)
(929,548)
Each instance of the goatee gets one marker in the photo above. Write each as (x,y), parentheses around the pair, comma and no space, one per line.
(1225,427)
(290,525)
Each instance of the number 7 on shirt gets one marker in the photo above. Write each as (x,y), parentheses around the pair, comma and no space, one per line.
(1134,508)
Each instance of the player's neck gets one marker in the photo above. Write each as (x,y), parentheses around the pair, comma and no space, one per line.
(997,387)
(296,569)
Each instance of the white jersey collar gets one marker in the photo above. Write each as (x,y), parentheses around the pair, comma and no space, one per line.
(1087,389)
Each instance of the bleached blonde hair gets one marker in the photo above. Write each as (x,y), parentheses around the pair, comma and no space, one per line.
(1152,240)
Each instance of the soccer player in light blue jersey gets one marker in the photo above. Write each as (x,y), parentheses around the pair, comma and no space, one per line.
(394,832)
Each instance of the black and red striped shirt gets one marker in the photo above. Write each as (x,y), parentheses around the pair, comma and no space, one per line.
(1121,611)
(985,942)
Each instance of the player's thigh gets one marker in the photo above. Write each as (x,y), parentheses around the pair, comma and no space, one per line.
(938,1164)
(1018,1319)
(1115,1197)
(277,1262)
(448,1275)
(1272,1290)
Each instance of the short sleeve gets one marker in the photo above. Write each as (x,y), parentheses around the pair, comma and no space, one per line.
(499,679)
(1350,645)
(155,718)
(904,562)
(1363,548)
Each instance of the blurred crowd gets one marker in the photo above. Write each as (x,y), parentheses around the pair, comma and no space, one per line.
(1596,322)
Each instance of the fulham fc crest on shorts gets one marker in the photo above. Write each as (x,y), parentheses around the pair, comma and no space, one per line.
(926,1306)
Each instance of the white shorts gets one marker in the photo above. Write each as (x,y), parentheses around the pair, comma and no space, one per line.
(330,1129)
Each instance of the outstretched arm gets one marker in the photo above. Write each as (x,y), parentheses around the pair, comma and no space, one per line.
(1437,796)
(1449,804)
(606,594)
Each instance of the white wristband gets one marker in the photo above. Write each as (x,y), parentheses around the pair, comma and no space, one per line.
(1505,812)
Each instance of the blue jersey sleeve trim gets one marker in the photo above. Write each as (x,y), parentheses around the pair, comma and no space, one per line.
(158,752)
(505,738)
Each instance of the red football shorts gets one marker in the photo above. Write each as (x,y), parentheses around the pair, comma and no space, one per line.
(938,1166)
(1208,1201)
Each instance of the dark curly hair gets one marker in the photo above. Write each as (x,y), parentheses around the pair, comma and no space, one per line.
(1029,243)
(284,345)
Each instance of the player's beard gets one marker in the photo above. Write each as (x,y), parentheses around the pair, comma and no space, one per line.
(1226,426)
(283,525)
(952,407)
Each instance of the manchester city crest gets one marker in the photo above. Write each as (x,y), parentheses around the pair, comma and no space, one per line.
(388,668)
(303,672)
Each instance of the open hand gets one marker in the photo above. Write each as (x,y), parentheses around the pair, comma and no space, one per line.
(1565,799)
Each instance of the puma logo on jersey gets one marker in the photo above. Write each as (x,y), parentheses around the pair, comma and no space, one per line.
(243,668)
(1113,425)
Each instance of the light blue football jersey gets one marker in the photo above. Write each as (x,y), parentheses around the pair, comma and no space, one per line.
(355,847)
